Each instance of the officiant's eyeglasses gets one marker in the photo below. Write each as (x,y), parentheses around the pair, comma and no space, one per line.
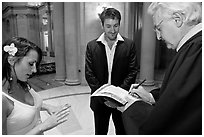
(157,27)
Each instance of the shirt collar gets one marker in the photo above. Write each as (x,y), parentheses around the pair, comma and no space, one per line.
(102,38)
(191,33)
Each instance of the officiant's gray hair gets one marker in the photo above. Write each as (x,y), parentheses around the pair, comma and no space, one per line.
(192,11)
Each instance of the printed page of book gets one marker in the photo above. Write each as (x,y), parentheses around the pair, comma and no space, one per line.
(116,93)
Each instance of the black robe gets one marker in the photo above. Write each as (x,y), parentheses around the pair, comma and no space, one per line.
(178,108)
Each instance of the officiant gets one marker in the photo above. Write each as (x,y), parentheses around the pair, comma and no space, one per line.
(178,107)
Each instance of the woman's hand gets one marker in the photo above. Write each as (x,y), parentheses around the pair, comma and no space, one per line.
(51,109)
(55,118)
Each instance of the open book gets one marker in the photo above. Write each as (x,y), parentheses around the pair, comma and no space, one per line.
(116,95)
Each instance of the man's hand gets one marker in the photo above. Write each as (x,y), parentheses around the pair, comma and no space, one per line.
(110,104)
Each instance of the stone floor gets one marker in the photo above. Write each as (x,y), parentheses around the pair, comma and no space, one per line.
(81,120)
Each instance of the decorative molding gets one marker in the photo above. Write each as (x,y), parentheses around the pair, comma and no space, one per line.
(11,11)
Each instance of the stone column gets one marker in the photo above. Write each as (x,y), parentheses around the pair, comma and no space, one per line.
(50,47)
(71,43)
(82,42)
(58,40)
(147,48)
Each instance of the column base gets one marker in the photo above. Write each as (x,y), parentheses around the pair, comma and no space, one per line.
(72,82)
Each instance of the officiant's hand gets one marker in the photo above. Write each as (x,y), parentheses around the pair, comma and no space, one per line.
(129,100)
(143,94)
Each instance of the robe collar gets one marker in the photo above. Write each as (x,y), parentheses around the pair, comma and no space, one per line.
(190,34)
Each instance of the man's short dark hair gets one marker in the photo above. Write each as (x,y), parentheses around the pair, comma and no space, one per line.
(110,13)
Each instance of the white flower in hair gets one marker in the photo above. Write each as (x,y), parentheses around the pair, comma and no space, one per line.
(11,49)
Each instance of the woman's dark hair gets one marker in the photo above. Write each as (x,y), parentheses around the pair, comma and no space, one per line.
(110,13)
(24,46)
